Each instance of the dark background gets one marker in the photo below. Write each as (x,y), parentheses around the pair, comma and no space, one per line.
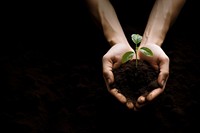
(51,79)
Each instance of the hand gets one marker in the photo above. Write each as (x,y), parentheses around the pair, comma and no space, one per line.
(111,60)
(159,61)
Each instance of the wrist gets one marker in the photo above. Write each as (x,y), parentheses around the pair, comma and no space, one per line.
(152,39)
(117,40)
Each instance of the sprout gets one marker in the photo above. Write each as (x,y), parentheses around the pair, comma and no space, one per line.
(136,38)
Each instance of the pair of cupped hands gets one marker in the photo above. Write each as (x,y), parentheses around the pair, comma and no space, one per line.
(160,61)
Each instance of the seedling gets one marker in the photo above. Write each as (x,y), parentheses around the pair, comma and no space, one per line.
(136,38)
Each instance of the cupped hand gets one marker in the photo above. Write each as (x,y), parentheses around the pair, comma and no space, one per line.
(160,61)
(110,61)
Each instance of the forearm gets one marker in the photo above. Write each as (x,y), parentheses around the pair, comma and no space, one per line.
(162,16)
(107,19)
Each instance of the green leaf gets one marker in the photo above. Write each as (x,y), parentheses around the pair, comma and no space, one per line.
(146,51)
(136,38)
(127,56)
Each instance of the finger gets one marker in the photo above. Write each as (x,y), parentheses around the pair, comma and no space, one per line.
(162,79)
(153,94)
(164,72)
(118,95)
(141,100)
(139,105)
(107,71)
(130,105)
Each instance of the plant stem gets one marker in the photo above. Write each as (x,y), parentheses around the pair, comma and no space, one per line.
(136,49)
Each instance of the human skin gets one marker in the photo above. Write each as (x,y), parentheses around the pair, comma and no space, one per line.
(162,16)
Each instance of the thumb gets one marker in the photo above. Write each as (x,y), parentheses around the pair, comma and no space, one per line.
(107,72)
(164,73)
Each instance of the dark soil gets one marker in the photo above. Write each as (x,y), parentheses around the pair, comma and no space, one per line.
(51,72)
(134,81)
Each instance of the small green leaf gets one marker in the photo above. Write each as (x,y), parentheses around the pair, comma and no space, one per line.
(127,56)
(136,38)
(146,51)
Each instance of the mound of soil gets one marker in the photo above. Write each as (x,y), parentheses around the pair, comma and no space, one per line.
(133,81)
